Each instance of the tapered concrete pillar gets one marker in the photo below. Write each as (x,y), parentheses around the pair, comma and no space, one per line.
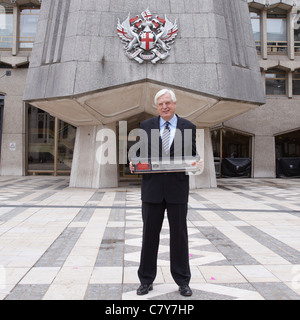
(264,160)
(207,179)
(94,162)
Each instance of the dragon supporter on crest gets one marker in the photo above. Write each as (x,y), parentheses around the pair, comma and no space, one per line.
(147,39)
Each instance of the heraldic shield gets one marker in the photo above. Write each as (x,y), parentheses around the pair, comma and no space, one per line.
(147,38)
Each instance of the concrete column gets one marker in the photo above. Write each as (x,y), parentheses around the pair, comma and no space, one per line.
(204,148)
(263,78)
(264,157)
(290,84)
(94,161)
(263,35)
(290,35)
(15,44)
(13,136)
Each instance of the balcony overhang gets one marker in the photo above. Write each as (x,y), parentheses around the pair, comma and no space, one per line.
(124,102)
(271,4)
(23,2)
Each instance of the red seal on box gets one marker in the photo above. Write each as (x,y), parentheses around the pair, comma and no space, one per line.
(143,166)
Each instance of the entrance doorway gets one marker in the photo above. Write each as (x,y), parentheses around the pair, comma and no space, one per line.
(232,153)
(50,143)
(1,119)
(132,123)
(288,154)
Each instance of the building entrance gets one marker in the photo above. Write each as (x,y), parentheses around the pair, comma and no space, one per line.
(50,143)
(288,154)
(1,118)
(232,153)
(132,123)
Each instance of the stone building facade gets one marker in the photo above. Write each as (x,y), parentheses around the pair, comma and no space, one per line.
(80,81)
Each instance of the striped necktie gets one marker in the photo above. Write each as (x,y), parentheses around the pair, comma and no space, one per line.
(166,138)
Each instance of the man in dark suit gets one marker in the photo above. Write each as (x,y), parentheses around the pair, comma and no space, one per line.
(166,191)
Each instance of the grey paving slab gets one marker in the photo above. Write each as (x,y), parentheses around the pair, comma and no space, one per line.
(275,291)
(112,247)
(58,252)
(233,253)
(27,292)
(103,292)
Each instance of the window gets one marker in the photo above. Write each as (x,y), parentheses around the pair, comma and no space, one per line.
(65,146)
(296,82)
(28,25)
(288,145)
(235,145)
(5,66)
(277,31)
(288,154)
(297,32)
(255,21)
(232,153)
(1,118)
(50,143)
(6,26)
(275,82)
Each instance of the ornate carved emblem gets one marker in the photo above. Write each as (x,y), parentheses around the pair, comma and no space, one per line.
(147,38)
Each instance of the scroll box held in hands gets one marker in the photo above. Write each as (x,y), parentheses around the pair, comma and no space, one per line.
(187,164)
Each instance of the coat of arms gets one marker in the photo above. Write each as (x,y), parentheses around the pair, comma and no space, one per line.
(147,39)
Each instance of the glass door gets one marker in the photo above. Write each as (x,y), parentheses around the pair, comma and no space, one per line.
(66,135)
(6,25)
(277,31)
(288,154)
(232,153)
(1,119)
(50,143)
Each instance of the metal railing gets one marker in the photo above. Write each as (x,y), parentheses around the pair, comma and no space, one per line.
(6,41)
(277,47)
(297,47)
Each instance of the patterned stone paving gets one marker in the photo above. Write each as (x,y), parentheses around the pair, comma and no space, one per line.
(62,243)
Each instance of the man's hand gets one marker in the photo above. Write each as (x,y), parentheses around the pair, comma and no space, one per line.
(200,165)
(131,167)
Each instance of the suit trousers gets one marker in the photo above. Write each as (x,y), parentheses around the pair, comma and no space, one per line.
(153,216)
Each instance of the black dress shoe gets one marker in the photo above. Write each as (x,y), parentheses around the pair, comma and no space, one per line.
(185,290)
(144,289)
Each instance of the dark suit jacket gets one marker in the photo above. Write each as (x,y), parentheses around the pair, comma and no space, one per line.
(174,186)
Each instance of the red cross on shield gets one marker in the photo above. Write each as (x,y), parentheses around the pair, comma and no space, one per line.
(147,41)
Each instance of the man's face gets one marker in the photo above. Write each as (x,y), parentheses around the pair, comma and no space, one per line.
(166,107)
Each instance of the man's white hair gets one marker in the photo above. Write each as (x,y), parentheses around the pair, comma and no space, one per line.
(162,92)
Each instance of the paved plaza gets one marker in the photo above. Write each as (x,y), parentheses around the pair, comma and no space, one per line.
(62,243)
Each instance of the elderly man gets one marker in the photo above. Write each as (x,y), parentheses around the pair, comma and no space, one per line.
(166,191)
